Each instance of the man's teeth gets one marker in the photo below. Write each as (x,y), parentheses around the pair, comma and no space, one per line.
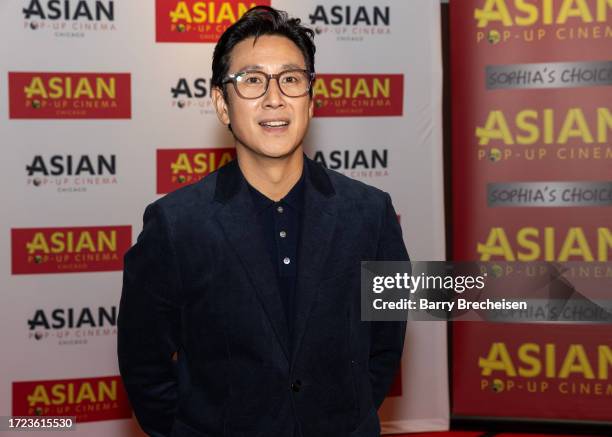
(274,123)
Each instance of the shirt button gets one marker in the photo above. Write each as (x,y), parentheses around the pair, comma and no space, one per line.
(282,234)
(286,260)
(296,386)
(279,209)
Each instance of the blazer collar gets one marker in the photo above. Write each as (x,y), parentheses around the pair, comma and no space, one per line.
(230,180)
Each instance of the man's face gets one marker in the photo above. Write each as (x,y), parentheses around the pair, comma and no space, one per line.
(250,119)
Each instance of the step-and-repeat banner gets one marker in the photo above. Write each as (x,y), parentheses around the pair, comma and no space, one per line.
(532,180)
(105,106)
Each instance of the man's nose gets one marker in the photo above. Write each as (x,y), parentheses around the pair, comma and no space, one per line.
(274,96)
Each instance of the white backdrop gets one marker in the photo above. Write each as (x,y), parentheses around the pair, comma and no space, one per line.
(40,343)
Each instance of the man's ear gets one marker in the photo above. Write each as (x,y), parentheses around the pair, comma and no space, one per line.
(220,105)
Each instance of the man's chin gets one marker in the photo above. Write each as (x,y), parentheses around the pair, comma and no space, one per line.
(280,152)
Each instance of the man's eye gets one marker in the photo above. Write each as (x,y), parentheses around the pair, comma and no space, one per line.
(291,79)
(253,80)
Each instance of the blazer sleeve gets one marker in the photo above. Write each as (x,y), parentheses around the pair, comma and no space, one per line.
(387,338)
(148,325)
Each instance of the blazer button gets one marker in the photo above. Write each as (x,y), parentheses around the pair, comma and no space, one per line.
(296,385)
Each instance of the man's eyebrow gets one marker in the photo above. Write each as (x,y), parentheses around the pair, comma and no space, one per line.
(261,67)
(250,67)
(292,66)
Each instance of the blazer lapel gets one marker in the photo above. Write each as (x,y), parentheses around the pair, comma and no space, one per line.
(238,220)
(317,235)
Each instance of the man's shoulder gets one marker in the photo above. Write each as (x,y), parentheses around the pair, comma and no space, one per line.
(190,198)
(352,190)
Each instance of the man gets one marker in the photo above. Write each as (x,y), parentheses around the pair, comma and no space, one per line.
(240,312)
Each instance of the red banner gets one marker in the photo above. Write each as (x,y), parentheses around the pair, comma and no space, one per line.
(69,250)
(89,399)
(179,167)
(358,95)
(532,371)
(198,21)
(69,95)
(531,131)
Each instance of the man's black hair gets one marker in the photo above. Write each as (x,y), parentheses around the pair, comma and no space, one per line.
(258,21)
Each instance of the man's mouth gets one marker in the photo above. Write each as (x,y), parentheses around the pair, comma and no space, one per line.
(274,124)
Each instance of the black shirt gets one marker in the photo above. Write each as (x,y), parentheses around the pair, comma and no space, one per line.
(280,222)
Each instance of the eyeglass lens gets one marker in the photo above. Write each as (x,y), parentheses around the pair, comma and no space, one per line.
(253,84)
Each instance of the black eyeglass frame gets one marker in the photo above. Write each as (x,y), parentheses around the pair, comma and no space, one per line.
(233,78)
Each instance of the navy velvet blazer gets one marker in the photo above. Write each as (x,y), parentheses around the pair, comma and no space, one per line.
(203,342)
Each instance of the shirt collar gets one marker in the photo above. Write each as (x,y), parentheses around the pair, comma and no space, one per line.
(260,201)
(294,198)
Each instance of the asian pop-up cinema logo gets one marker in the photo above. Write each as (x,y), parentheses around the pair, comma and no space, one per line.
(546,243)
(72,326)
(71,173)
(537,367)
(198,21)
(500,21)
(69,250)
(358,95)
(89,399)
(350,22)
(566,134)
(179,167)
(70,18)
(355,162)
(69,95)
(192,94)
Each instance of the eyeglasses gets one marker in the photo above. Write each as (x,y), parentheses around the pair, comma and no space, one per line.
(254,84)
